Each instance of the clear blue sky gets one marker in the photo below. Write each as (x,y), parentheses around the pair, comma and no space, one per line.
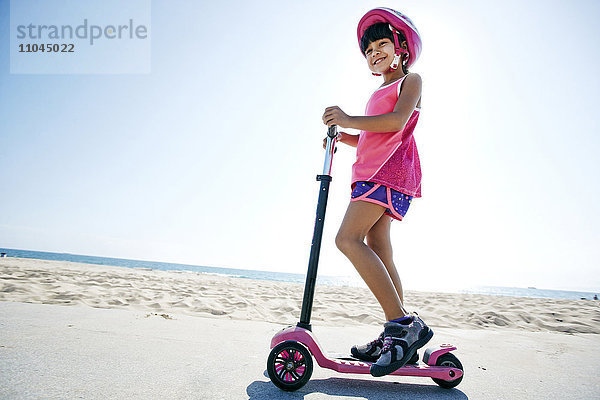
(210,159)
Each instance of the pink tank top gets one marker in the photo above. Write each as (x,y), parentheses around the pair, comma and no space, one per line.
(389,158)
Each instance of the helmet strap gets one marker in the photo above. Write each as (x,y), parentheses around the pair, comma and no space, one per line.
(399,49)
(395,62)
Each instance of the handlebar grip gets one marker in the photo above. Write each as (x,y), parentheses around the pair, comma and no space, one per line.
(332,131)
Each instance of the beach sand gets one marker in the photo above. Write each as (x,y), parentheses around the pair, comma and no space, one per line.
(146,334)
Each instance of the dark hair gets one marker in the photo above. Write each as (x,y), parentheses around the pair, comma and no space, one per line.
(380,31)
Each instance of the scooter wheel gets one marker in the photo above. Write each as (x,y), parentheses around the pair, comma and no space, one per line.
(448,360)
(289,365)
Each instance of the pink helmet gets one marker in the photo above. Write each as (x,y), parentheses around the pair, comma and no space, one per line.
(397,22)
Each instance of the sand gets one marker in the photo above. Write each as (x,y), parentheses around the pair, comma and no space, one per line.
(190,293)
(135,333)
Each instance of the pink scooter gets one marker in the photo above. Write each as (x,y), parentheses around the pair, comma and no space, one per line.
(290,362)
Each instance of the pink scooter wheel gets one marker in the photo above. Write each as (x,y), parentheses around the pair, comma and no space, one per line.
(448,360)
(289,365)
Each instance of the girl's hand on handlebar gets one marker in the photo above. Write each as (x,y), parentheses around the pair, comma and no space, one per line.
(335,116)
(339,137)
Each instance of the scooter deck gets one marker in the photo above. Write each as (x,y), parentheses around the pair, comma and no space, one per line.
(350,365)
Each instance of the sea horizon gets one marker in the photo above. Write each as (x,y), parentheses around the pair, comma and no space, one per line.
(531,292)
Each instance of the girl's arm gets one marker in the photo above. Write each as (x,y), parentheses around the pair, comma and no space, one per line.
(346,138)
(390,122)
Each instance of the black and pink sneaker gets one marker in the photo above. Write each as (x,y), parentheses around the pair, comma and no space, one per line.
(400,344)
(372,350)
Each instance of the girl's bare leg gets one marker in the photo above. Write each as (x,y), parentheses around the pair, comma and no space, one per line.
(360,217)
(378,239)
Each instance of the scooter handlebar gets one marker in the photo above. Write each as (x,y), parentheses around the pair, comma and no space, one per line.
(332,131)
(330,148)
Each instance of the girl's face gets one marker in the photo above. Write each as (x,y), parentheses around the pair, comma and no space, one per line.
(380,55)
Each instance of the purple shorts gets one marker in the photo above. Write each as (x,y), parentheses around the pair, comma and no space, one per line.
(396,203)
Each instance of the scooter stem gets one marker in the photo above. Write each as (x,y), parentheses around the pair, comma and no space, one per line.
(329,149)
(315,248)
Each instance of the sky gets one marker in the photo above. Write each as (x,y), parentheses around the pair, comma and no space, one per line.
(209,156)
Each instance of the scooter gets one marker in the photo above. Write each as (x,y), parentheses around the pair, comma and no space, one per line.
(290,363)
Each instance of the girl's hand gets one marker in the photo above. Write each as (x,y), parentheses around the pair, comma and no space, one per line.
(338,138)
(335,116)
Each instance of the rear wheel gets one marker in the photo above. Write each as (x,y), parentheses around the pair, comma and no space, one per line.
(289,365)
(448,360)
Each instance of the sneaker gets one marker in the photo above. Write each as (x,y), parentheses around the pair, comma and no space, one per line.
(400,344)
(372,350)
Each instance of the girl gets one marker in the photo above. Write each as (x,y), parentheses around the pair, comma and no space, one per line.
(385,178)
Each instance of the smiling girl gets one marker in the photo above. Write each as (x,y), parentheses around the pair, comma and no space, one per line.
(385,178)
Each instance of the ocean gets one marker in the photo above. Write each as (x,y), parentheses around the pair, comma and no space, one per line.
(281,276)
